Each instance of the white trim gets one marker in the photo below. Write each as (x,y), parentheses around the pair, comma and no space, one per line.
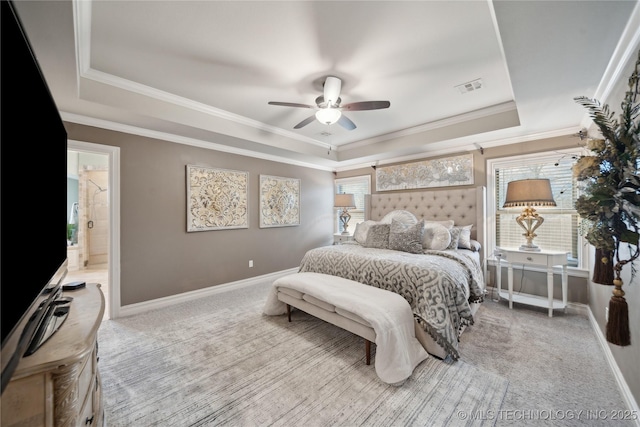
(625,51)
(134,130)
(630,401)
(114,217)
(137,308)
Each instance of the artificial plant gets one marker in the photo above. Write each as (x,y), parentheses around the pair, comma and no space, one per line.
(610,201)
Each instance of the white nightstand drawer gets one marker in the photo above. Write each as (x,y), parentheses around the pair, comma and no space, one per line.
(526,258)
(341,238)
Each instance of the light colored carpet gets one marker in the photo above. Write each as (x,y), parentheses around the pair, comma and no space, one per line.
(558,374)
(219,361)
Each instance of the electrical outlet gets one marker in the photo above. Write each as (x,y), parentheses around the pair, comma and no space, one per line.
(606,314)
(250,263)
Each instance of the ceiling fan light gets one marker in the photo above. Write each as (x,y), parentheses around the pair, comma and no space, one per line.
(328,115)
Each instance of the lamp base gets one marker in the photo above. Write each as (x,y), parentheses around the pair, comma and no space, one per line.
(346,233)
(527,248)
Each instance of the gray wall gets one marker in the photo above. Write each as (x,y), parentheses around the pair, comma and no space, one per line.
(626,357)
(159,258)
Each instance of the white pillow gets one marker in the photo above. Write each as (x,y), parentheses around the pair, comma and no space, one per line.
(435,237)
(447,223)
(405,217)
(362,228)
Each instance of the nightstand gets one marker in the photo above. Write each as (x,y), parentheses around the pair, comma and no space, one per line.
(339,238)
(547,259)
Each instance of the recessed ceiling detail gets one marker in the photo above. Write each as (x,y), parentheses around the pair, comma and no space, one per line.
(193,72)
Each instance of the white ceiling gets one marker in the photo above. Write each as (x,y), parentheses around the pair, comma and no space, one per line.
(203,72)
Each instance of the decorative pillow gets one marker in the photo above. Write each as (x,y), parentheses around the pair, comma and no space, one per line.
(475,246)
(448,223)
(378,236)
(455,236)
(406,238)
(362,228)
(404,217)
(460,237)
(436,236)
(464,241)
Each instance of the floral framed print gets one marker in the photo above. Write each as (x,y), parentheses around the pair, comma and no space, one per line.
(217,199)
(449,171)
(279,201)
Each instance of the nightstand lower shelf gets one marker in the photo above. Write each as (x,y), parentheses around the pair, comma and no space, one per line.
(547,259)
(534,300)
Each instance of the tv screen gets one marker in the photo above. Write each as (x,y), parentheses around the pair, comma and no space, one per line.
(33,173)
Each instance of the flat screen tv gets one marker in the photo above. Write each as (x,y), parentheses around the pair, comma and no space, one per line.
(33,174)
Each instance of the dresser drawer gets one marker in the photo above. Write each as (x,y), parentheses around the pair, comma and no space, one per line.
(85,379)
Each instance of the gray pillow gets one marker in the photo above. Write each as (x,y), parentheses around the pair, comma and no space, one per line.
(455,236)
(464,241)
(378,236)
(460,237)
(406,238)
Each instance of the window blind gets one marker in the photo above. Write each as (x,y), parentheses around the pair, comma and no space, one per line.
(358,186)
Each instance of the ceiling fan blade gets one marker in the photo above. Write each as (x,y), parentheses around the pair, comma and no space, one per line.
(346,123)
(291,104)
(305,122)
(332,87)
(366,105)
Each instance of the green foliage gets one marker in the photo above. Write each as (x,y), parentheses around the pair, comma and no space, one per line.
(610,176)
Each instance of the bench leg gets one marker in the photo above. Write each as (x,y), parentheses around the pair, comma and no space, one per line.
(367,350)
(289,312)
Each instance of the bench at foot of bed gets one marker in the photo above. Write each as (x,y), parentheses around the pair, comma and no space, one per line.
(377,315)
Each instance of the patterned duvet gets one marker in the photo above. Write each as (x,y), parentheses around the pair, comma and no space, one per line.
(438,285)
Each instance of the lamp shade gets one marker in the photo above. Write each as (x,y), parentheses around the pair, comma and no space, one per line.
(529,192)
(328,115)
(344,201)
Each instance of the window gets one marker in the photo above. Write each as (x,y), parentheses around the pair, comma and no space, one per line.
(358,186)
(560,228)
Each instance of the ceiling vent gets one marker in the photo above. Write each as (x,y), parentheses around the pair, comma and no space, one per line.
(325,133)
(470,86)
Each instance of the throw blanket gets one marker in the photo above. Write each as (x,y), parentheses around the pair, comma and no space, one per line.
(438,285)
(398,351)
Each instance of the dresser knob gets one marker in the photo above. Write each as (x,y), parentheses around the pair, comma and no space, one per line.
(529,258)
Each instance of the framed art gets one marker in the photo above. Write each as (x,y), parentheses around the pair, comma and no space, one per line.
(217,199)
(449,171)
(279,201)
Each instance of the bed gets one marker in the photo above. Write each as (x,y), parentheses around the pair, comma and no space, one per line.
(444,286)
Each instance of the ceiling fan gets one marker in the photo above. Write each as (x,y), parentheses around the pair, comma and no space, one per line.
(329,110)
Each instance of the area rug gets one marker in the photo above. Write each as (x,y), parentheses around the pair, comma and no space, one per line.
(219,361)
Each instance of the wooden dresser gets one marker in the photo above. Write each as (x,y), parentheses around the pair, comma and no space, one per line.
(59,385)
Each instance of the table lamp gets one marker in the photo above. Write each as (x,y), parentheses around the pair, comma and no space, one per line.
(344,202)
(529,193)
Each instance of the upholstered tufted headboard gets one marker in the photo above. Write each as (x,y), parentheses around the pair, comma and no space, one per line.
(464,206)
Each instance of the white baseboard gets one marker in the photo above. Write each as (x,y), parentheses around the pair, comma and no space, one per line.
(632,405)
(142,307)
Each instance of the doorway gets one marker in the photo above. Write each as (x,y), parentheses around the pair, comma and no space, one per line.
(92,200)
